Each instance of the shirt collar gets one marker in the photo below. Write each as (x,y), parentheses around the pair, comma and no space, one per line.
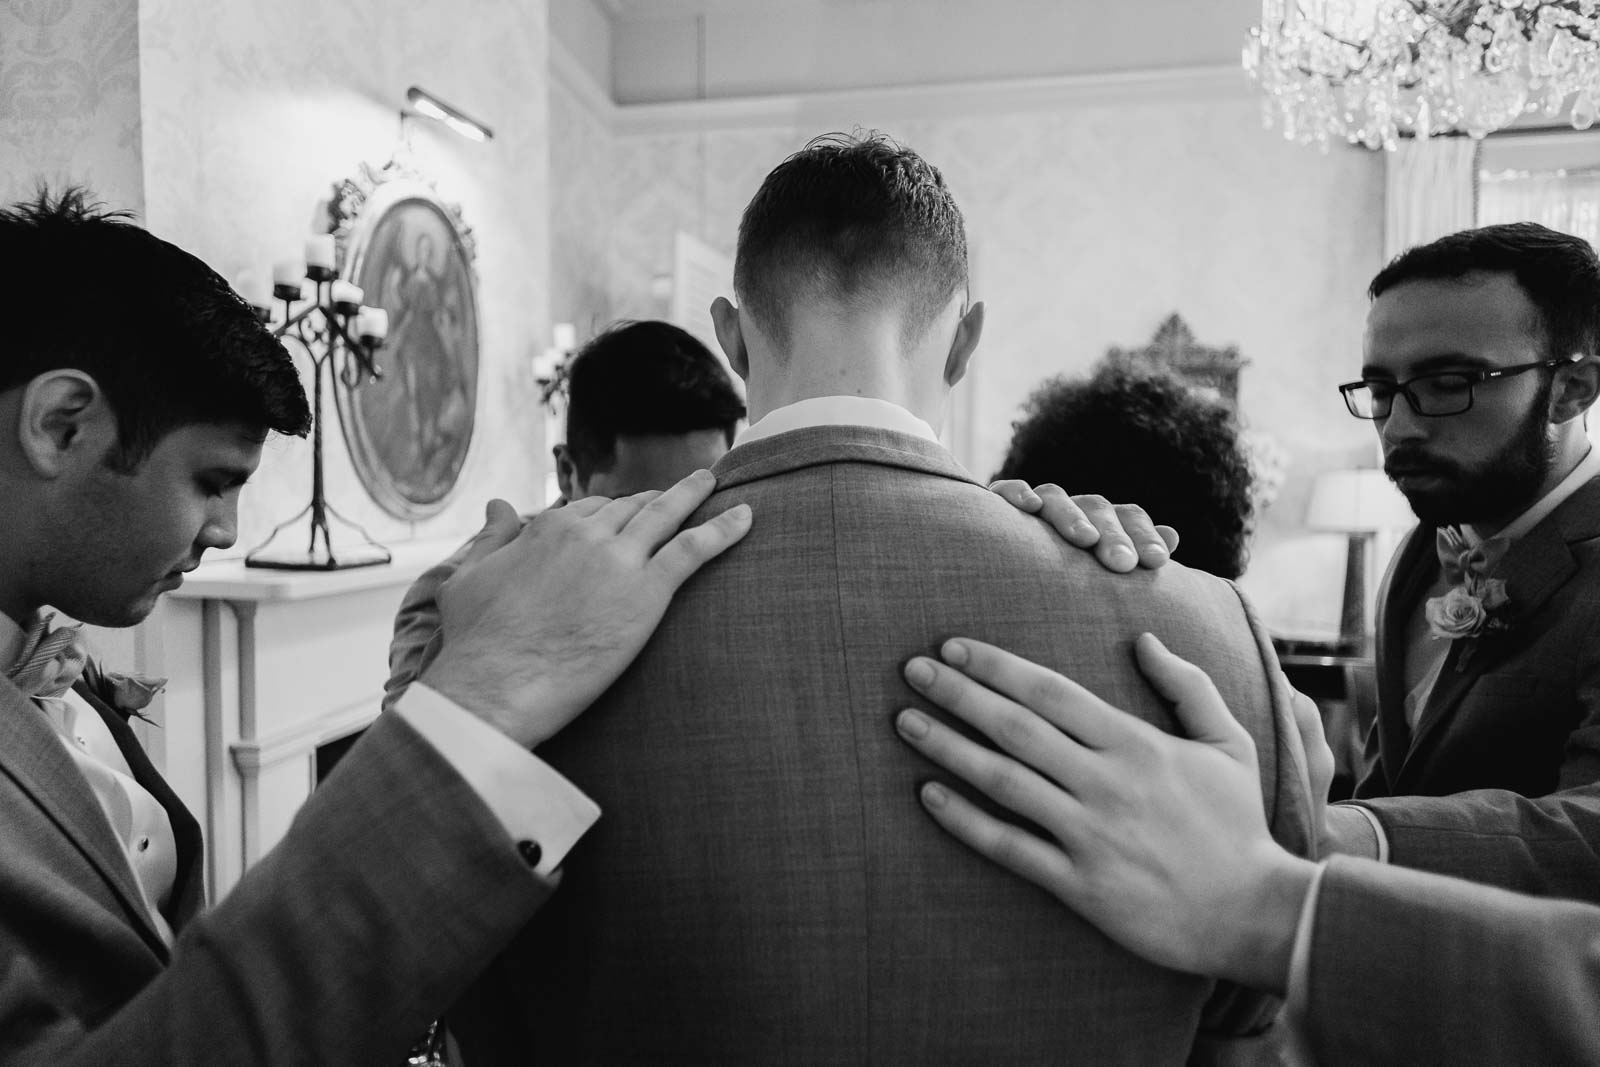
(837,411)
(1587,469)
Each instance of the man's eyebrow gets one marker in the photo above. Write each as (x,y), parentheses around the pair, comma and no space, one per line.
(229,473)
(1445,361)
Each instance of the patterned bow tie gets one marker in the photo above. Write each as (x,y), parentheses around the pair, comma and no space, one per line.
(1458,560)
(51,661)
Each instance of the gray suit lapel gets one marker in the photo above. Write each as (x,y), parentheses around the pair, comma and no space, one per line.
(32,755)
(1409,576)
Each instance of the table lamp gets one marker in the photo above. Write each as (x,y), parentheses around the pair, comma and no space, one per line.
(1357,503)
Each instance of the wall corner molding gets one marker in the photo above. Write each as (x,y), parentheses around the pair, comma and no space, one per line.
(848,106)
(567,72)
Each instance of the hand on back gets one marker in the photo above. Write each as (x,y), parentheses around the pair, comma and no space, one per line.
(541,619)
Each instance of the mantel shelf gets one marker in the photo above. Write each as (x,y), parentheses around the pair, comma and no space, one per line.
(230,579)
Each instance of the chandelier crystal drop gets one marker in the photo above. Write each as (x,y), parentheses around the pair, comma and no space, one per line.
(1368,71)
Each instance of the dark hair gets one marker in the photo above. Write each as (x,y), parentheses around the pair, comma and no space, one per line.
(644,378)
(848,216)
(1559,272)
(167,339)
(1144,437)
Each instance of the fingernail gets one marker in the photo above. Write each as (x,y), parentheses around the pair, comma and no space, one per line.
(1083,530)
(1030,498)
(1153,551)
(934,795)
(740,513)
(919,672)
(1121,556)
(955,653)
(912,725)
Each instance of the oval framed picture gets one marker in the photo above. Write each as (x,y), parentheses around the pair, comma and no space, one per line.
(409,431)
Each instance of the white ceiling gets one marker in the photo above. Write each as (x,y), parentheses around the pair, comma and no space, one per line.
(666,50)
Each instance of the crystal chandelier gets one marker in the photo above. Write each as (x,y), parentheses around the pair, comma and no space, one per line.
(1367,71)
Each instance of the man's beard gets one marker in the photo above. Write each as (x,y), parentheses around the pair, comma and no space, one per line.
(1506,485)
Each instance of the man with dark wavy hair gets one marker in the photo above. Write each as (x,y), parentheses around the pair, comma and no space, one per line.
(1147,437)
(1482,360)
(136,391)
(764,889)
(647,404)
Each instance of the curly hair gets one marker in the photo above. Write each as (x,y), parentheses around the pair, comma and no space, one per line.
(1144,437)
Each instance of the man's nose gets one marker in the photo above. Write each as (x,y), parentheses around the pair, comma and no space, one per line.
(1402,423)
(222,526)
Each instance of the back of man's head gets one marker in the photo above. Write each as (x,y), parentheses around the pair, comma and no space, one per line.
(855,220)
(166,338)
(644,400)
(1559,273)
(1149,439)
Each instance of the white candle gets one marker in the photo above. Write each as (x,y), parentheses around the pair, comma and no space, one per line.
(319,250)
(253,287)
(286,278)
(566,336)
(373,323)
(347,294)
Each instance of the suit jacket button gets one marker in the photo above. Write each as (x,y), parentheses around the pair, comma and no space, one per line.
(531,852)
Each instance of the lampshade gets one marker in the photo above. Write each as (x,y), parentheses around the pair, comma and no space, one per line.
(1357,501)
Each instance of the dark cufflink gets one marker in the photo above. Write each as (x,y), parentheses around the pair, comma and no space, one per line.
(530,852)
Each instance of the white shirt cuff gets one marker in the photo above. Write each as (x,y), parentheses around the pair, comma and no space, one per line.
(1377,830)
(531,800)
(1300,955)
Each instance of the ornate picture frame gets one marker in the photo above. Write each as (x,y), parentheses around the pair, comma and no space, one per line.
(1174,349)
(413,255)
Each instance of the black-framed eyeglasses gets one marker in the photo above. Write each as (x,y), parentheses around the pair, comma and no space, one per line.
(1446,392)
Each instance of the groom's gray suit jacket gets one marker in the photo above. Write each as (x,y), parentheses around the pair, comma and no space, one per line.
(763,886)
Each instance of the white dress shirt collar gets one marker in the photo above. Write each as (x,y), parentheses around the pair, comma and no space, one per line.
(837,411)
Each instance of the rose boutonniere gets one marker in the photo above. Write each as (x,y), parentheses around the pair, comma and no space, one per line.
(1472,609)
(127,694)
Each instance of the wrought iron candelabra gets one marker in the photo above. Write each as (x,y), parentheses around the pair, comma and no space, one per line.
(341,338)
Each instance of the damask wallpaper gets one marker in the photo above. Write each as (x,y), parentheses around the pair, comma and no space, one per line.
(582,180)
(69,98)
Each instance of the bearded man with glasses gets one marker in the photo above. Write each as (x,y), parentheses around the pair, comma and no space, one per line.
(1480,367)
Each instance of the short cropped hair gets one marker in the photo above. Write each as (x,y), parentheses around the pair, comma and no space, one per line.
(1560,274)
(851,218)
(167,339)
(640,378)
(1144,437)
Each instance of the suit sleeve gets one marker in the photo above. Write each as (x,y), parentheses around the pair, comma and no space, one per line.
(1549,845)
(1410,968)
(392,890)
(1235,1018)
(417,628)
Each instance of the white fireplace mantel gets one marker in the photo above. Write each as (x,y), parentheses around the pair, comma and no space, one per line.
(265,666)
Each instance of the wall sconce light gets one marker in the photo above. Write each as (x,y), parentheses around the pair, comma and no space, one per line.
(425,103)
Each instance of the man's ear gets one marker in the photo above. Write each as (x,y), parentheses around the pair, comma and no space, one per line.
(1576,389)
(730,335)
(566,472)
(968,330)
(64,419)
